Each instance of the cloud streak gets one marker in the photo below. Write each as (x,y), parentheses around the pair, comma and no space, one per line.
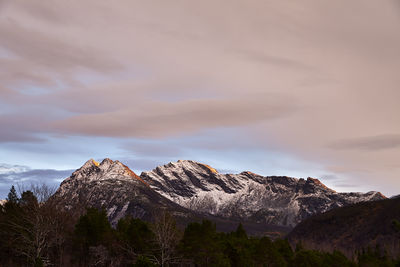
(37,175)
(371,143)
(160,119)
(23,175)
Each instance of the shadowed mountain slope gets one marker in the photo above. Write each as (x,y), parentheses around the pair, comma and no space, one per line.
(353,228)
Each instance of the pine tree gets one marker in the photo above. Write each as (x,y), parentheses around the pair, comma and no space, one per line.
(240,232)
(12,195)
(396,225)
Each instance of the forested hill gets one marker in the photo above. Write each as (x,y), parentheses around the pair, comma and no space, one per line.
(353,228)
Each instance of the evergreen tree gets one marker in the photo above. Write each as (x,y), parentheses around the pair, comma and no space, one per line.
(12,195)
(336,259)
(93,228)
(93,237)
(265,253)
(240,232)
(396,225)
(284,249)
(135,235)
(203,245)
(28,199)
(237,247)
(373,258)
(308,258)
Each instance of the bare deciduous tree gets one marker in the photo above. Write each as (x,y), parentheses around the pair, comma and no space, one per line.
(40,190)
(38,225)
(99,256)
(166,235)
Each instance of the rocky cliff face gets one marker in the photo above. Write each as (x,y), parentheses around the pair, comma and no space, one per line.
(247,196)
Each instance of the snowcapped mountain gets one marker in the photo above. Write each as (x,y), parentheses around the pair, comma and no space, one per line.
(247,196)
(112,185)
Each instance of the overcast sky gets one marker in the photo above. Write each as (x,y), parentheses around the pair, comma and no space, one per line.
(297,88)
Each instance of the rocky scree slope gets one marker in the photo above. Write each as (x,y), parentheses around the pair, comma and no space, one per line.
(277,200)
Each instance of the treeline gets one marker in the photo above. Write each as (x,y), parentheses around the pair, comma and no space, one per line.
(36,233)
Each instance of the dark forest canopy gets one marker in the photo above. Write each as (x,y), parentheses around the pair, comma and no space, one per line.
(35,233)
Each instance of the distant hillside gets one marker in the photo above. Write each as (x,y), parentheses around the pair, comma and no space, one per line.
(353,228)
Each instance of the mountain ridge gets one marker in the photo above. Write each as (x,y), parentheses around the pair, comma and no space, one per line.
(192,189)
(279,200)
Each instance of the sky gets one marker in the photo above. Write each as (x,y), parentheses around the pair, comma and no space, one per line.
(298,88)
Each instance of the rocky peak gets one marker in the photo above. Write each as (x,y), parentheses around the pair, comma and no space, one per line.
(106,163)
(107,169)
(315,182)
(110,166)
(182,174)
(312,185)
(193,165)
(249,173)
(89,164)
(89,167)
(185,176)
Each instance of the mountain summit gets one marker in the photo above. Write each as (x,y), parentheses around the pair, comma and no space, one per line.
(107,169)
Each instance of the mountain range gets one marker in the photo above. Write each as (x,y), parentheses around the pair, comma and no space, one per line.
(194,191)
